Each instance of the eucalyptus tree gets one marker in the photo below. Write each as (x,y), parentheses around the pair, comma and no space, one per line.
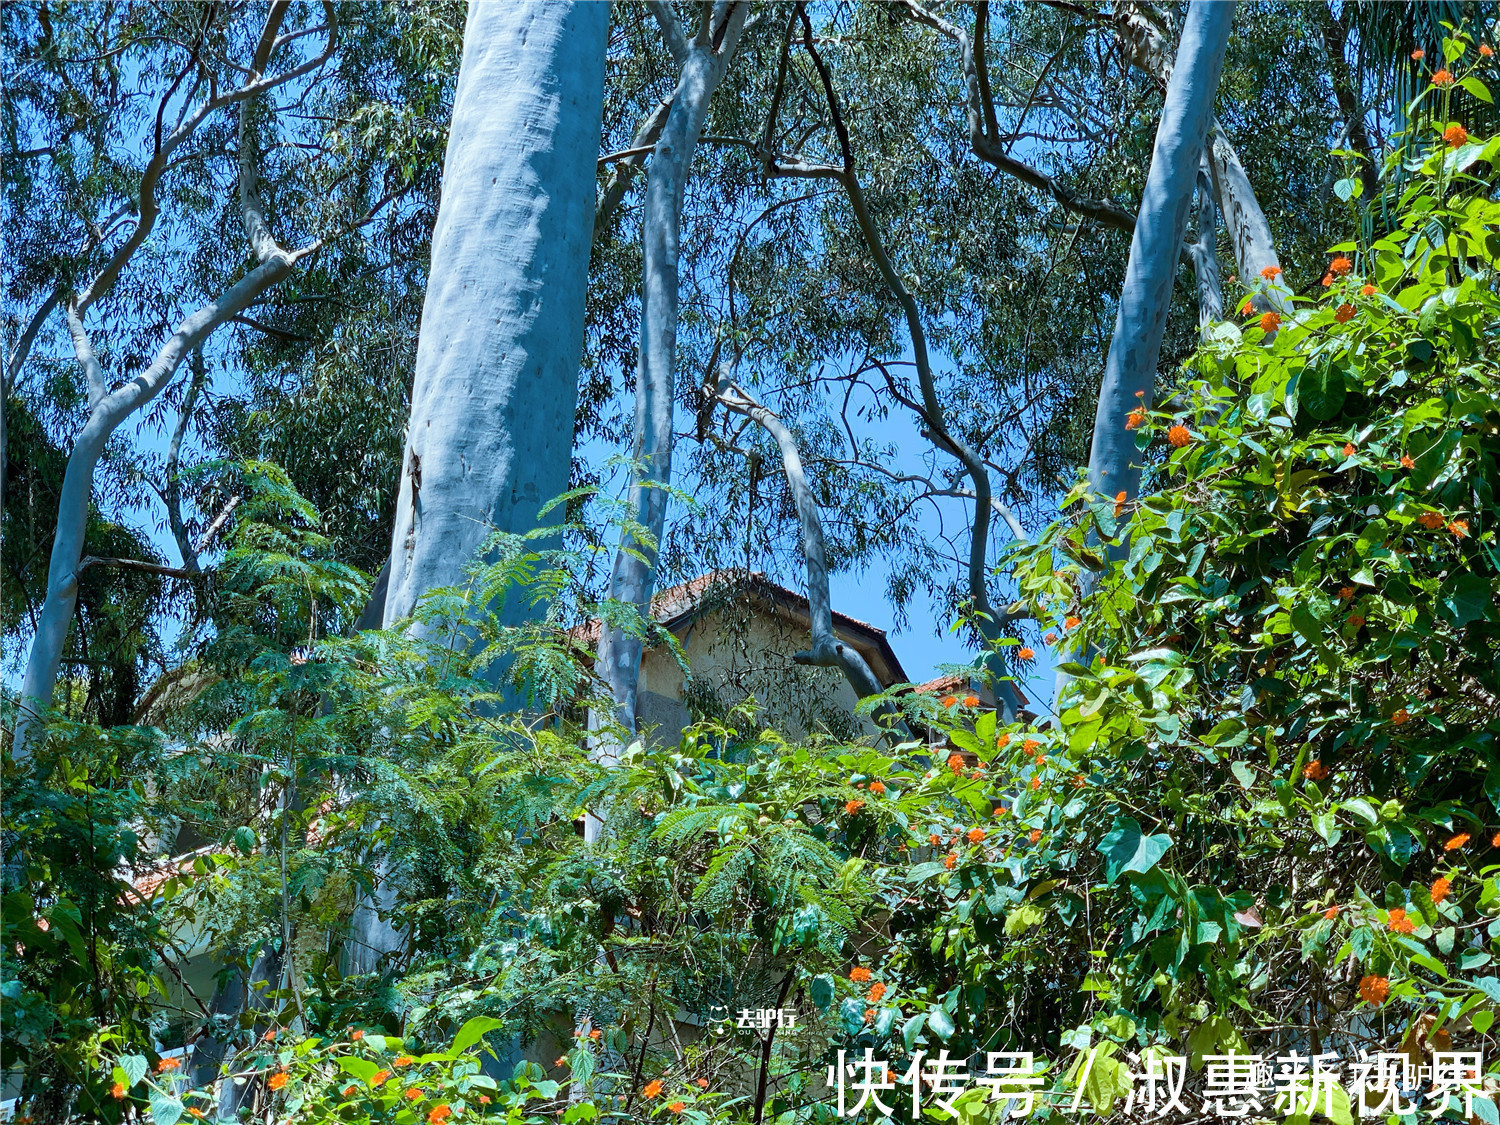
(702,62)
(207,120)
(490,434)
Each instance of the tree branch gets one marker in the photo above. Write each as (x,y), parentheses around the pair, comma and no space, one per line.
(172,494)
(671,30)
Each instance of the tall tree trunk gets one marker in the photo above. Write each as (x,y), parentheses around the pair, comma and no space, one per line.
(1146,296)
(490,435)
(108,409)
(702,63)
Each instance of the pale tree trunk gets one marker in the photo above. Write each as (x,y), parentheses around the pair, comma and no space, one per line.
(108,409)
(826,650)
(702,64)
(490,435)
(1146,295)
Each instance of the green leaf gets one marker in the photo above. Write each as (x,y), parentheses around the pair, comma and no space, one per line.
(363,1069)
(1128,848)
(1465,597)
(941,1023)
(1490,986)
(1022,918)
(1478,89)
(1243,773)
(165,1109)
(135,1067)
(822,991)
(1321,390)
(473,1031)
(912,1029)
(1363,809)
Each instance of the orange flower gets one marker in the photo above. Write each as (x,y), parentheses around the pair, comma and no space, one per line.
(1036,783)
(1349,449)
(1246,307)
(877,990)
(1119,502)
(1431,520)
(1029,746)
(1026,653)
(677,1107)
(1367,291)
(1327,280)
(950,861)
(403,1060)
(1340,266)
(1374,990)
(269,1035)
(859,974)
(194,1111)
(412,1094)
(852,807)
(1418,55)
(484,1099)
(1440,888)
(869,1015)
(1346,593)
(438,1114)
(277,1080)
(379,1076)
(167,1064)
(1459,529)
(349,1091)
(1270,321)
(1407,462)
(1456,136)
(1331,913)
(1002,810)
(1399,923)
(948,700)
(357,1036)
(956,762)
(1357,620)
(934,839)
(1071,622)
(973,700)
(976,835)
(1315,770)
(1134,419)
(701,1083)
(1442,79)
(1050,638)
(1270,272)
(877,787)
(1456,842)
(1495,840)
(1179,435)
(561,1060)
(1486,50)
(1079,781)
(1036,834)
(1003,741)
(117,1090)
(1344,314)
